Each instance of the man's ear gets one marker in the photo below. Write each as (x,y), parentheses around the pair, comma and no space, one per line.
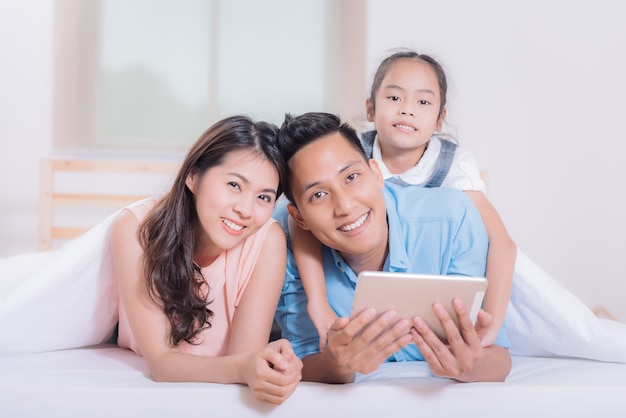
(369,110)
(377,173)
(297,216)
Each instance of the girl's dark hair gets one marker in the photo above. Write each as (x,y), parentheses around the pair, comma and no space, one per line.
(407,54)
(298,131)
(169,233)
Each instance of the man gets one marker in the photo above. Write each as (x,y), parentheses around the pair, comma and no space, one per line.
(367,224)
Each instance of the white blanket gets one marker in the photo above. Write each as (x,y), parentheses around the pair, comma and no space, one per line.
(545,319)
(59,299)
(67,298)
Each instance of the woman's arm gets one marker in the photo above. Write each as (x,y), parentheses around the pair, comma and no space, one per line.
(250,359)
(148,323)
(254,316)
(279,371)
(500,264)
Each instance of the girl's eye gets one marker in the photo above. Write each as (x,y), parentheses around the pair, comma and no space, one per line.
(234,185)
(394,98)
(265,197)
(423,102)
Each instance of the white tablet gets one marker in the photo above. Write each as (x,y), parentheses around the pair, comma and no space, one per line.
(414,295)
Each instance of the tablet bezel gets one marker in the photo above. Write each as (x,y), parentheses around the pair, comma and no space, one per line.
(412,294)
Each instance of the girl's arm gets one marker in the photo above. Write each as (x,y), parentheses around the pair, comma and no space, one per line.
(307,252)
(500,265)
(150,328)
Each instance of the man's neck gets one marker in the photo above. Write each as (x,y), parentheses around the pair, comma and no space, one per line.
(373,261)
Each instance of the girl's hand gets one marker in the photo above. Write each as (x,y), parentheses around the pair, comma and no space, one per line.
(486,330)
(273,374)
(323,317)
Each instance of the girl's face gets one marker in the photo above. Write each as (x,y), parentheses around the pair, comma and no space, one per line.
(406,111)
(233,200)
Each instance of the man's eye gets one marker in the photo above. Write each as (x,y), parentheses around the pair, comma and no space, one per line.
(351,177)
(317,195)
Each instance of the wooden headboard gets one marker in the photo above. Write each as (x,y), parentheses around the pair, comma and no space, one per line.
(89,196)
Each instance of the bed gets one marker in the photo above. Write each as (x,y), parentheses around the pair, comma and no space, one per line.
(58,311)
(107,381)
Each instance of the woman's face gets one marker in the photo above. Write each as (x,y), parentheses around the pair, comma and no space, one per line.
(233,200)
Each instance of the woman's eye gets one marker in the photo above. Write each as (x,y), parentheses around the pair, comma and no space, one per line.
(394,98)
(266,198)
(234,185)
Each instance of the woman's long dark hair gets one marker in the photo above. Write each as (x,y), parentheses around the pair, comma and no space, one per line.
(168,234)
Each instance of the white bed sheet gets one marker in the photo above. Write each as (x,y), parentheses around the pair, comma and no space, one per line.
(109,381)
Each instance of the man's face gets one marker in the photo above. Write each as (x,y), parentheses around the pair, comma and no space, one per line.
(339,199)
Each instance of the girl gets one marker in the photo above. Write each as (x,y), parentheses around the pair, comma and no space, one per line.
(201,269)
(407,106)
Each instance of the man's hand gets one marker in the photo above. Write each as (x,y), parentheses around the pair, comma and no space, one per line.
(463,358)
(363,343)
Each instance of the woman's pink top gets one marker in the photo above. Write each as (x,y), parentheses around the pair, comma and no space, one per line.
(227,277)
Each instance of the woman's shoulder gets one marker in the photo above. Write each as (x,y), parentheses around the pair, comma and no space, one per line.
(130,217)
(275,236)
(141,208)
(271,230)
(241,259)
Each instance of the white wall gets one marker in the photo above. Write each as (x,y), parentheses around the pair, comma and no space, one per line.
(25,117)
(537,93)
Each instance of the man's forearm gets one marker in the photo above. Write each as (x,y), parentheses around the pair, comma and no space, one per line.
(495,366)
(322,367)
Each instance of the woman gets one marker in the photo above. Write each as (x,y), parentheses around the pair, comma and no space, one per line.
(201,269)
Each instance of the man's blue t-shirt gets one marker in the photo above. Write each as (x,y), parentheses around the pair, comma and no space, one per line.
(431,231)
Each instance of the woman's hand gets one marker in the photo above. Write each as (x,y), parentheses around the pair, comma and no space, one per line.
(273,373)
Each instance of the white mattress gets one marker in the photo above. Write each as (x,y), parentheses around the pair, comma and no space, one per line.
(108,381)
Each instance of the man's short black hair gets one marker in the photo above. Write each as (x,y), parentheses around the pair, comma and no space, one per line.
(299,131)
